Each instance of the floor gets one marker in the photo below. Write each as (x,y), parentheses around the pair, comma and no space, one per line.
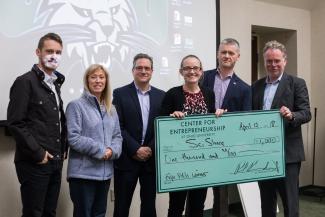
(309,207)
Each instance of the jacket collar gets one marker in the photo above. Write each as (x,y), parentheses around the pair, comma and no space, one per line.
(40,74)
(90,97)
(217,73)
(280,91)
(92,100)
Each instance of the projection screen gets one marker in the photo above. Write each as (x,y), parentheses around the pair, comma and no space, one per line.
(109,32)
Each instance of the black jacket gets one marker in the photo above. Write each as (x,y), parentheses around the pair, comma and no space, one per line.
(34,119)
(128,109)
(292,92)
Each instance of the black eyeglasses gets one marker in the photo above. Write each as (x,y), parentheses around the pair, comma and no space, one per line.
(188,68)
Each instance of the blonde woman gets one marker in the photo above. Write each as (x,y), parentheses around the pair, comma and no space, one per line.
(95,141)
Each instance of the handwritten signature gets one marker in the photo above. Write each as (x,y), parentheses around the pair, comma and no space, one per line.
(257,167)
(207,142)
(178,176)
(192,157)
(256,125)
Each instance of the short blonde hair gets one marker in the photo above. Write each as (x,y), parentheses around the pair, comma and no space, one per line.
(106,95)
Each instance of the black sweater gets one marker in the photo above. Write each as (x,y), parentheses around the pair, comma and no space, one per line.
(175,99)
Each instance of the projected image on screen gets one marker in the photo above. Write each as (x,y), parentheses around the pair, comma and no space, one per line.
(109,32)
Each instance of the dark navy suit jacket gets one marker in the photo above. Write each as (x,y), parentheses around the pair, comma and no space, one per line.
(238,94)
(128,108)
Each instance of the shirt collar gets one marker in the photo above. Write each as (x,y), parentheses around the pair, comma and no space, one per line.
(41,75)
(229,76)
(140,91)
(267,80)
(50,78)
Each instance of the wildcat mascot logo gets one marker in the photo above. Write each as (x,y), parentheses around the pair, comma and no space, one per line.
(101,31)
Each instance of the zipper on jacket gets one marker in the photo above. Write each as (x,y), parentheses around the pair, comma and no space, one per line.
(103,126)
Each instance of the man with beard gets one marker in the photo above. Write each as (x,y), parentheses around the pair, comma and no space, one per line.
(231,94)
(137,105)
(37,122)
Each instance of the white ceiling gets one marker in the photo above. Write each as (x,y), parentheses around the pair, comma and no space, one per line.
(303,4)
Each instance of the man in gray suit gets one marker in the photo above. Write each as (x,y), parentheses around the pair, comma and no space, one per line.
(288,93)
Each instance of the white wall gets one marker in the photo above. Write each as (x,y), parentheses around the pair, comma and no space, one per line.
(9,187)
(237,17)
(317,83)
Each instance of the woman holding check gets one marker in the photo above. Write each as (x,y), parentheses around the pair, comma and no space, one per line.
(187,99)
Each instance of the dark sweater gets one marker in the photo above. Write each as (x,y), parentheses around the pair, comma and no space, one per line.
(175,99)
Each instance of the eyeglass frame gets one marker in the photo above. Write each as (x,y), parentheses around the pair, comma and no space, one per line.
(141,68)
(189,69)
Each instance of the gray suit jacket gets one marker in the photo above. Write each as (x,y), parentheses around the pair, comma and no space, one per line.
(292,92)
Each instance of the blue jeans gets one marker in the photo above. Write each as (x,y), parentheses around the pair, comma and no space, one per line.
(89,197)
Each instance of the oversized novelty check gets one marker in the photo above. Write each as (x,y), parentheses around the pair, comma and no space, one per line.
(203,150)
